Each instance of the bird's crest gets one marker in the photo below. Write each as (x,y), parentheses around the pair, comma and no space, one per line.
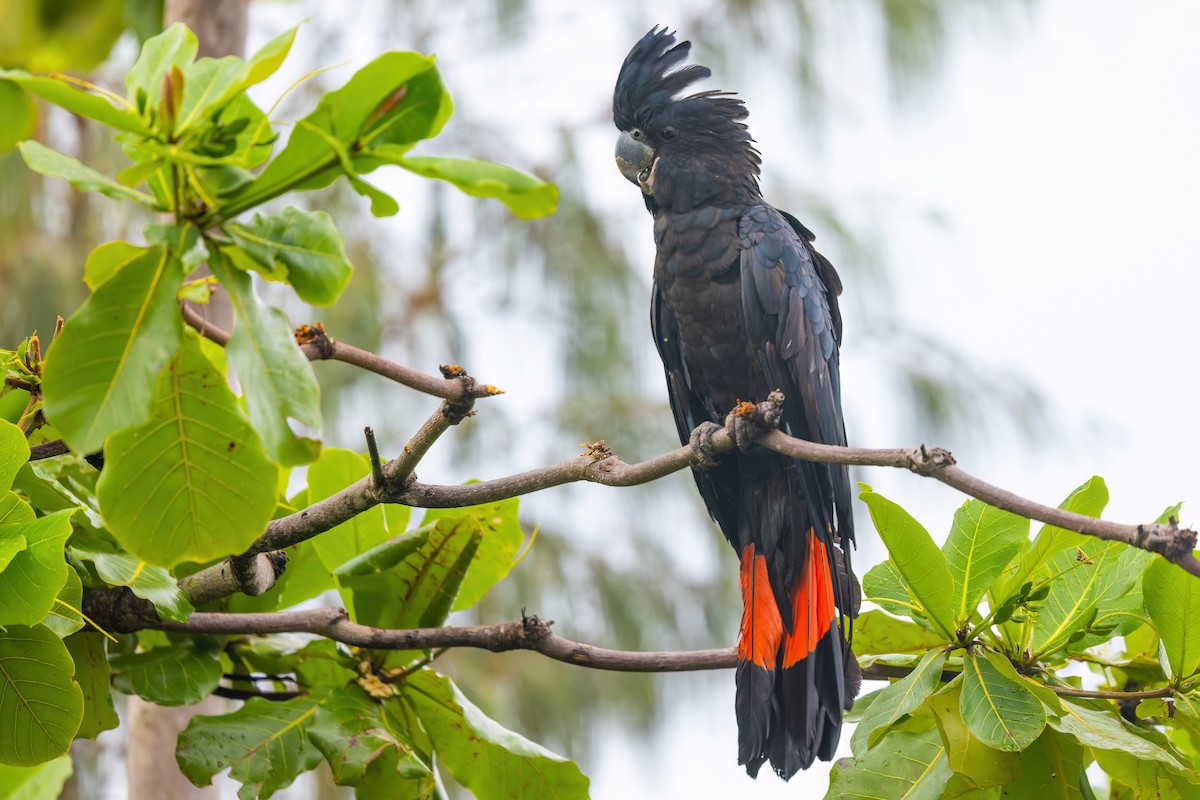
(652,79)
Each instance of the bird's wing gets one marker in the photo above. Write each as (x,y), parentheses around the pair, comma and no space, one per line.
(717,485)
(790,304)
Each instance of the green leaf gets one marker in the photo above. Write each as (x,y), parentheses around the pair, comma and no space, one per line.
(18,113)
(53,164)
(1086,574)
(916,557)
(78,100)
(34,576)
(1088,499)
(40,705)
(305,245)
(968,756)
(264,63)
(996,705)
(1051,769)
(527,197)
(176,46)
(502,537)
(396,100)
(1172,600)
(14,452)
(147,582)
(192,483)
(333,471)
(982,541)
(487,759)
(884,585)
(896,700)
(107,260)
(179,675)
(277,379)
(876,632)
(65,615)
(40,782)
(101,370)
(265,743)
(351,732)
(88,650)
(904,764)
(1105,730)
(1145,779)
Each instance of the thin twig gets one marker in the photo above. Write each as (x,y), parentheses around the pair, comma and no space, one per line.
(376,466)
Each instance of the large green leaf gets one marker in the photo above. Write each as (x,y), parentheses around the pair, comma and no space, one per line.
(54,164)
(41,706)
(884,585)
(996,704)
(107,260)
(500,529)
(77,100)
(18,112)
(968,756)
(487,759)
(333,471)
(1086,574)
(101,370)
(1143,778)
(14,452)
(303,248)
(982,541)
(1051,769)
(265,744)
(876,632)
(147,582)
(34,576)
(181,674)
(916,558)
(898,699)
(1172,600)
(88,650)
(192,483)
(174,47)
(350,730)
(527,197)
(904,764)
(1088,499)
(395,101)
(277,379)
(1105,730)
(39,782)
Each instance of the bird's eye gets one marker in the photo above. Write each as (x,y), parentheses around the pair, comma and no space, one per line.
(668,133)
(636,134)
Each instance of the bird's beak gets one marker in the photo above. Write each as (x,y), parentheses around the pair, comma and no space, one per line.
(636,161)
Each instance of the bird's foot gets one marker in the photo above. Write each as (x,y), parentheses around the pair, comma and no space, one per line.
(701,442)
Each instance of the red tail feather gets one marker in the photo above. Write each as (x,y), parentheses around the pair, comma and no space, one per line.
(762,627)
(813,610)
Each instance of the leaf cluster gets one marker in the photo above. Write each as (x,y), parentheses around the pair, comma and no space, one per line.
(192,472)
(988,627)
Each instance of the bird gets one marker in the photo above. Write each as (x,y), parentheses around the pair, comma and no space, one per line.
(743,306)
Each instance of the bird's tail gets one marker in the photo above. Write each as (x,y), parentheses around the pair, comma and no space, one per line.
(790,681)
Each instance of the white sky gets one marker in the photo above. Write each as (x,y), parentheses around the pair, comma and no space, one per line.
(1062,153)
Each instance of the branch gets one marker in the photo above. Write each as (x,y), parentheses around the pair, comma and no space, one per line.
(318,346)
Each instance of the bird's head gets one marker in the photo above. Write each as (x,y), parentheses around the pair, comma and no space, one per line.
(664,134)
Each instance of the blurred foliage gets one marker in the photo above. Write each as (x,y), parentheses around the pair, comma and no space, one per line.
(578,276)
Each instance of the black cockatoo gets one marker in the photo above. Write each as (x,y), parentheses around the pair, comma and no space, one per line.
(744,305)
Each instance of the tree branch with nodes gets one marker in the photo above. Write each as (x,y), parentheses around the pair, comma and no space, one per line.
(255,571)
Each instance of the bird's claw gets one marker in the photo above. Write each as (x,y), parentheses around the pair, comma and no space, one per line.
(701,442)
(741,426)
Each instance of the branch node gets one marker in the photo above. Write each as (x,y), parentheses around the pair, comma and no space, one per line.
(315,335)
(534,627)
(928,460)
